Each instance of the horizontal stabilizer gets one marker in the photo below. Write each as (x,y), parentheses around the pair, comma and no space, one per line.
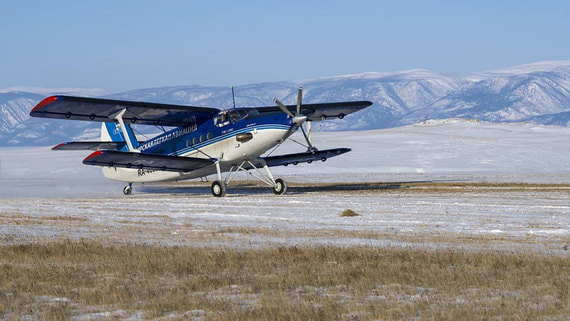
(307,157)
(94,146)
(145,161)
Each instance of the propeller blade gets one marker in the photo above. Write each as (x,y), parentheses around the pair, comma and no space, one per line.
(299,99)
(283,108)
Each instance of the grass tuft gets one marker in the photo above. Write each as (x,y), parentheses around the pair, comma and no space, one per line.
(348,213)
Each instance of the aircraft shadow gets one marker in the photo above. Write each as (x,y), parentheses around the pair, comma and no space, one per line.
(351,187)
(250,189)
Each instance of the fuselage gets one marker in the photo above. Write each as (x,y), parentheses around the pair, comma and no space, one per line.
(230,137)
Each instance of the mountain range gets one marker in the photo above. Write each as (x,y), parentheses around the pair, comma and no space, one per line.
(538,92)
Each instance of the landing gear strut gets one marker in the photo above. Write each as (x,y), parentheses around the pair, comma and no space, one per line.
(127,190)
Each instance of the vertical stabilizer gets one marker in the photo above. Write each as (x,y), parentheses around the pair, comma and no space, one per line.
(111,132)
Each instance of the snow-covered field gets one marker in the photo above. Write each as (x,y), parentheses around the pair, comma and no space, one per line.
(429,188)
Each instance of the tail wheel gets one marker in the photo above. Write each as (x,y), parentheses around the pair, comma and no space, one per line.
(280,187)
(218,189)
(127,190)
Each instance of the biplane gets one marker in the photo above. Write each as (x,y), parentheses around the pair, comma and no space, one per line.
(201,141)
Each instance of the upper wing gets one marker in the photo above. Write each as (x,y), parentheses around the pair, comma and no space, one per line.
(323,111)
(102,110)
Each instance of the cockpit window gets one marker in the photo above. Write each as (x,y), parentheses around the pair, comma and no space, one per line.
(222,119)
(242,113)
(235,116)
(252,111)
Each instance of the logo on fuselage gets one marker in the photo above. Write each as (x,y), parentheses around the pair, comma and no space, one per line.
(169,136)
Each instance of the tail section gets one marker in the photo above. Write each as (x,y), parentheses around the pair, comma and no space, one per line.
(111,132)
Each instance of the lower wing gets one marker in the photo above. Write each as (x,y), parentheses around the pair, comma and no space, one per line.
(145,161)
(306,157)
(187,164)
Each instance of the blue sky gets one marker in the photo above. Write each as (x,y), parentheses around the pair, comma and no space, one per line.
(119,45)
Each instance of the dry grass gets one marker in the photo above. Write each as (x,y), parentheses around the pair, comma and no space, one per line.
(348,213)
(57,280)
(21,219)
(451,238)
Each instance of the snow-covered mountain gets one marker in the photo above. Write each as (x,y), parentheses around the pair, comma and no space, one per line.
(18,129)
(393,94)
(538,92)
(14,108)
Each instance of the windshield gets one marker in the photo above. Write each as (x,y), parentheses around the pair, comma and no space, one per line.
(235,115)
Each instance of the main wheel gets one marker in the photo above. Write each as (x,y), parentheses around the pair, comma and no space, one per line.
(280,187)
(218,189)
(127,190)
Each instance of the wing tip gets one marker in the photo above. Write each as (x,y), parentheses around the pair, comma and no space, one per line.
(93,155)
(45,102)
(56,147)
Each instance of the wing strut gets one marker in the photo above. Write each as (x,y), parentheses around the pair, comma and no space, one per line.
(119,118)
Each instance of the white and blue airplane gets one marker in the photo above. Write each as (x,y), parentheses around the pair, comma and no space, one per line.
(204,140)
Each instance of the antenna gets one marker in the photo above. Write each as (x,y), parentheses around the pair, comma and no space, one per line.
(233,96)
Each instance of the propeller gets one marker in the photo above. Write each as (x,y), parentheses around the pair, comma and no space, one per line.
(298,118)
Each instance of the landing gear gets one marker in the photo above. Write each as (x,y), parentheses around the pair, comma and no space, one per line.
(218,189)
(280,187)
(127,190)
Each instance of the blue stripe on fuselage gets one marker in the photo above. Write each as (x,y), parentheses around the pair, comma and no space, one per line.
(174,142)
(226,136)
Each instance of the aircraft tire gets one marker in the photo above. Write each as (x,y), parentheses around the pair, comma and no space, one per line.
(280,187)
(127,190)
(218,189)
